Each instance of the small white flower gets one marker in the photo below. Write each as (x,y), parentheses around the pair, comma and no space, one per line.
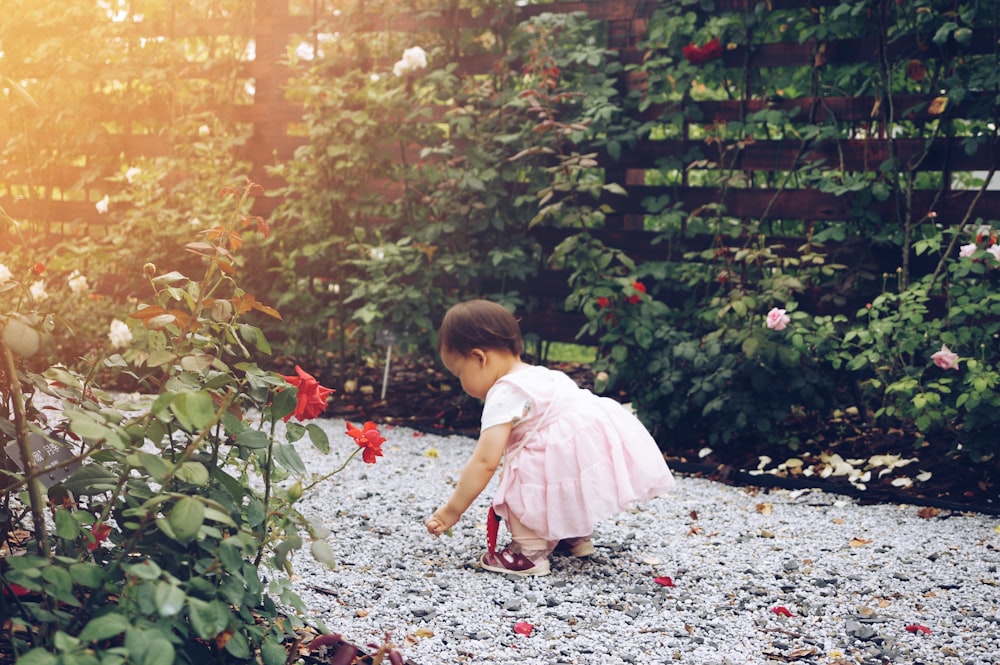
(204,131)
(119,334)
(102,205)
(77,283)
(38,290)
(995,251)
(413,59)
(5,274)
(965,251)
(132,173)
(374,78)
(376,253)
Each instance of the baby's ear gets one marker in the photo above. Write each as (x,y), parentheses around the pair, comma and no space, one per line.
(479,355)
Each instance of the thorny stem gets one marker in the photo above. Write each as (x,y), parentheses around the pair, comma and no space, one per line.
(326,477)
(35,486)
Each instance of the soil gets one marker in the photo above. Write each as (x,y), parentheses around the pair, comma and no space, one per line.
(427,399)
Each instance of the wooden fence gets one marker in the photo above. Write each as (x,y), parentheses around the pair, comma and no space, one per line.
(61,198)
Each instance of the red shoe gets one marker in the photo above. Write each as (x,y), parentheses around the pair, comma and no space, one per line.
(513,563)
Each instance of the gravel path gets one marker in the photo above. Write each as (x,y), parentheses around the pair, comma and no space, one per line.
(758,577)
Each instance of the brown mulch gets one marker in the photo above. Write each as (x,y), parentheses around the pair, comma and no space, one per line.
(427,399)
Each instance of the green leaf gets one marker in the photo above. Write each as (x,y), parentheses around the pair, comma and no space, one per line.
(252,439)
(208,618)
(288,457)
(186,518)
(319,438)
(155,465)
(194,410)
(238,647)
(273,652)
(294,432)
(88,575)
(104,627)
(147,570)
(284,402)
(169,599)
(750,346)
(37,657)
(323,553)
(59,584)
(194,473)
(66,525)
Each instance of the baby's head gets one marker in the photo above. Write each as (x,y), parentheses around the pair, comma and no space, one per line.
(479,324)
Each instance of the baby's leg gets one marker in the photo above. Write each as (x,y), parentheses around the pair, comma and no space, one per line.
(527,542)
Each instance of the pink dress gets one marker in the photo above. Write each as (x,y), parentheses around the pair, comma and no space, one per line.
(573,458)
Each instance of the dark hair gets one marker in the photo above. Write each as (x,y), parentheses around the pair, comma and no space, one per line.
(479,324)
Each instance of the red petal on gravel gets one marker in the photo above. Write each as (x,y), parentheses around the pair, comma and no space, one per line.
(782,611)
(664,581)
(523,628)
(917,628)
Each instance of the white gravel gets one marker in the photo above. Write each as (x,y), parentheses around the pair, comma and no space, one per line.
(852,577)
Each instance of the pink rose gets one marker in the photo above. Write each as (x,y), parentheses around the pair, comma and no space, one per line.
(777,319)
(994,249)
(945,359)
(965,251)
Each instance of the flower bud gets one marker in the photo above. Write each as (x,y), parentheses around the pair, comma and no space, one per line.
(294,492)
(149,270)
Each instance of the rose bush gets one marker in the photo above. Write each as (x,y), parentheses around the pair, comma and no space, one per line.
(142,523)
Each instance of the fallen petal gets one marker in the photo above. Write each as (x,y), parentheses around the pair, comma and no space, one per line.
(782,611)
(664,581)
(917,628)
(523,628)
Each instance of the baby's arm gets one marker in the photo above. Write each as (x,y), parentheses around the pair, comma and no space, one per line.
(475,476)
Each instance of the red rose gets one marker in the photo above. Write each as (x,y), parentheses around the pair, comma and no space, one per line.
(311,398)
(639,287)
(368,438)
(603,302)
(100,532)
(712,50)
(697,55)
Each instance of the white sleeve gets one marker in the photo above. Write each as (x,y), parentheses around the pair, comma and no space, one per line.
(505,403)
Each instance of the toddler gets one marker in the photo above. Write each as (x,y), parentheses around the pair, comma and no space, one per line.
(570,458)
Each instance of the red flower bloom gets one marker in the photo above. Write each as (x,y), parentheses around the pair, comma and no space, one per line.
(697,55)
(18,590)
(781,611)
(312,396)
(38,268)
(635,297)
(603,302)
(100,532)
(368,438)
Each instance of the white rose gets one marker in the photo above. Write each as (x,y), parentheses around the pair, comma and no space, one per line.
(413,59)
(119,334)
(38,290)
(77,283)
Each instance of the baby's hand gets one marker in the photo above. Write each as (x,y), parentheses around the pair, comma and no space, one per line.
(433,527)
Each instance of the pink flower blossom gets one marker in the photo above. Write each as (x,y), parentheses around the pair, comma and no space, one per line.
(777,319)
(945,358)
(994,249)
(965,251)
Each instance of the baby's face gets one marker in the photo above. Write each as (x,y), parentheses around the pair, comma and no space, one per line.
(470,370)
